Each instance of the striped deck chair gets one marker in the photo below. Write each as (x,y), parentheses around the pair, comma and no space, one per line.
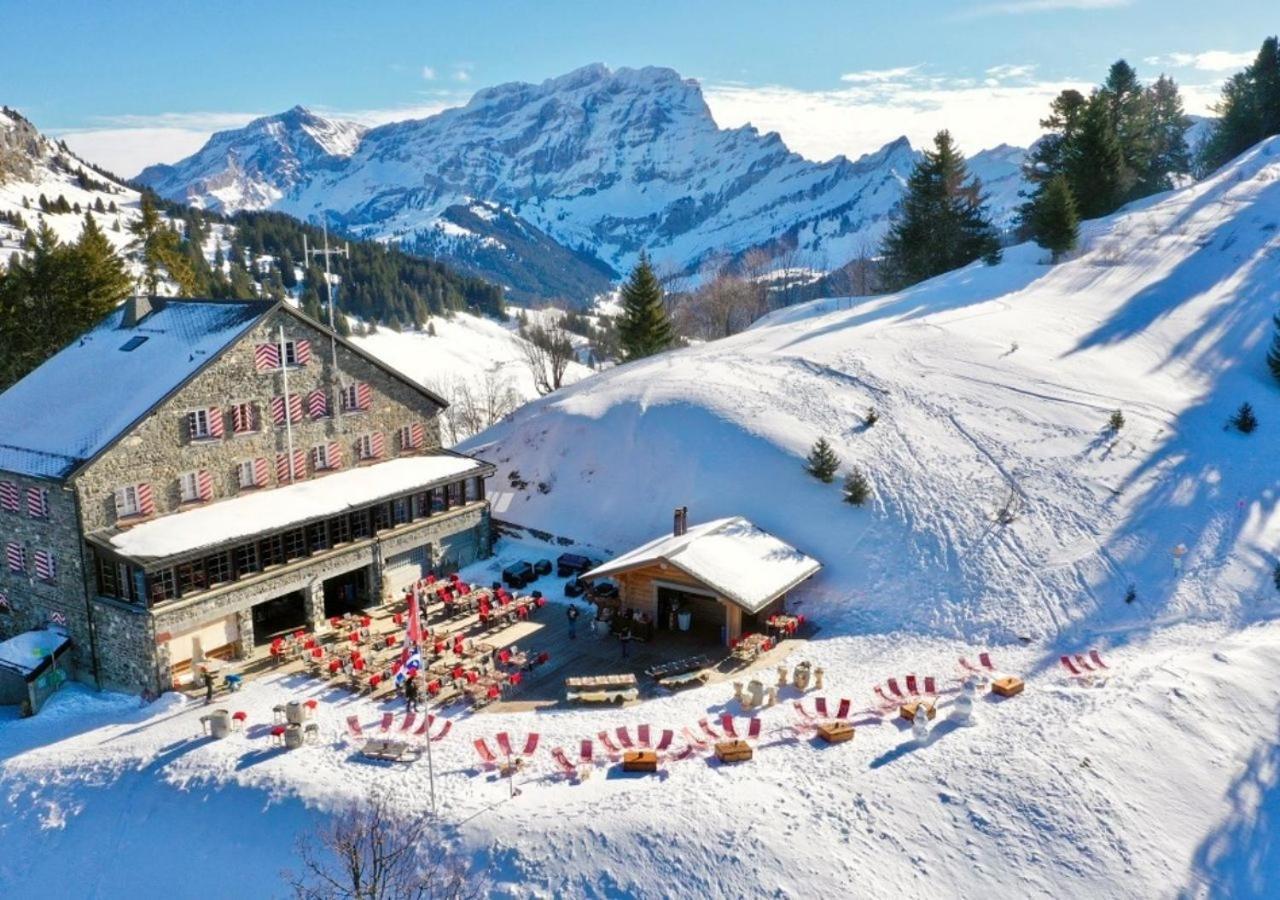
(913,686)
(1097,660)
(726,723)
(568,769)
(624,737)
(708,730)
(504,743)
(843,711)
(530,744)
(642,736)
(608,744)
(486,755)
(694,740)
(665,741)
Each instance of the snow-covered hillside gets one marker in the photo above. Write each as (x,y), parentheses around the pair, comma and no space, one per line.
(993,387)
(610,162)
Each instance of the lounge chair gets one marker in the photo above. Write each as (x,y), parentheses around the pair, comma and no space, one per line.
(568,769)
(385,725)
(448,723)
(694,740)
(930,686)
(609,746)
(886,702)
(843,711)
(624,737)
(685,752)
(642,736)
(530,744)
(504,744)
(425,727)
(895,690)
(409,719)
(1097,660)
(1083,664)
(586,752)
(486,755)
(726,723)
(1070,667)
(753,729)
(708,730)
(353,727)
(984,659)
(820,704)
(665,741)
(913,686)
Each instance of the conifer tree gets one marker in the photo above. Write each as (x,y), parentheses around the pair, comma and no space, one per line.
(857,489)
(822,462)
(160,250)
(644,328)
(1093,163)
(1055,224)
(1116,422)
(943,223)
(1169,123)
(1245,420)
(1249,109)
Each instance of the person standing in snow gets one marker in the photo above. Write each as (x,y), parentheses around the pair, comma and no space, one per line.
(411,695)
(208,687)
(572,615)
(625,638)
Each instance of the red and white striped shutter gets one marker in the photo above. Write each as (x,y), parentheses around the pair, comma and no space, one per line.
(10,496)
(302,352)
(204,484)
(46,567)
(261,471)
(282,468)
(335,455)
(299,466)
(295,407)
(364,396)
(379,444)
(417,434)
(146,502)
(277,410)
(318,404)
(4,602)
(37,503)
(215,422)
(267,357)
(237,419)
(15,556)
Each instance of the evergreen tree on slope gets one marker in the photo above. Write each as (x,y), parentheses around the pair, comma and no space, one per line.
(1054,222)
(1249,109)
(644,328)
(942,224)
(160,250)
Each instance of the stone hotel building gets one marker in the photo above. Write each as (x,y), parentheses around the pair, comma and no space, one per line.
(192,477)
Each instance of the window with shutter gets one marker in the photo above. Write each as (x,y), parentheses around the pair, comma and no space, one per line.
(45,565)
(318,404)
(15,557)
(198,425)
(10,496)
(246,475)
(127,501)
(266,357)
(350,398)
(320,457)
(37,503)
(364,446)
(189,486)
(244,418)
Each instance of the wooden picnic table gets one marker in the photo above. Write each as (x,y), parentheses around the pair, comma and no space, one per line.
(750,647)
(598,682)
(384,749)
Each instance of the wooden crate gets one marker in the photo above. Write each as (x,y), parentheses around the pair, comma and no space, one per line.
(733,751)
(908,710)
(640,761)
(836,732)
(1007,686)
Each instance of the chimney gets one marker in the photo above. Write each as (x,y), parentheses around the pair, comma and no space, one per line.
(138,308)
(675,523)
(681,519)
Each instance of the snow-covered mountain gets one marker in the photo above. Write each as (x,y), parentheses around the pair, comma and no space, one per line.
(604,162)
(993,386)
(255,166)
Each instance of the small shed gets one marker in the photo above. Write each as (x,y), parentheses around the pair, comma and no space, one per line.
(721,578)
(32,666)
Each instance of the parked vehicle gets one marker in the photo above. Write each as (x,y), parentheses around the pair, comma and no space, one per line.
(574,588)
(542,567)
(604,590)
(572,564)
(518,574)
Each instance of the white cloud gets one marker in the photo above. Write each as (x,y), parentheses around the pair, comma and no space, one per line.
(1021,7)
(874,76)
(127,151)
(1206,61)
(461,75)
(1010,72)
(428,73)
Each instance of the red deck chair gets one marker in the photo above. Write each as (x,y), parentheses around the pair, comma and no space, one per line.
(753,730)
(624,737)
(843,711)
(895,690)
(387,719)
(530,744)
(425,727)
(608,744)
(802,712)
(409,719)
(694,740)
(1070,667)
(353,727)
(568,769)
(886,701)
(486,755)
(820,704)
(448,723)
(586,752)
(684,752)
(665,741)
(1083,663)
(913,686)
(930,686)
(726,723)
(642,736)
(708,730)
(984,659)
(1097,660)
(504,743)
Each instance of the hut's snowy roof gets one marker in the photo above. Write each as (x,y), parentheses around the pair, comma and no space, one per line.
(27,651)
(267,511)
(743,563)
(89,393)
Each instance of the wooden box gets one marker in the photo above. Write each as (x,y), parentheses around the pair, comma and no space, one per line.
(640,761)
(733,751)
(1007,686)
(908,710)
(836,732)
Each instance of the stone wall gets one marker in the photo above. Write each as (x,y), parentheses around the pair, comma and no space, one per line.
(127,652)
(158,451)
(31,600)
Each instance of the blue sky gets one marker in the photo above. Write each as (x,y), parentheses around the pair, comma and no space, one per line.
(134,83)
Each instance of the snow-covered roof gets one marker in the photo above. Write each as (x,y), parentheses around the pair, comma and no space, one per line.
(295,504)
(86,395)
(26,652)
(740,561)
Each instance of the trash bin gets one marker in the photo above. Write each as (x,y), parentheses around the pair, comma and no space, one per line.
(295,712)
(220,723)
(293,736)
